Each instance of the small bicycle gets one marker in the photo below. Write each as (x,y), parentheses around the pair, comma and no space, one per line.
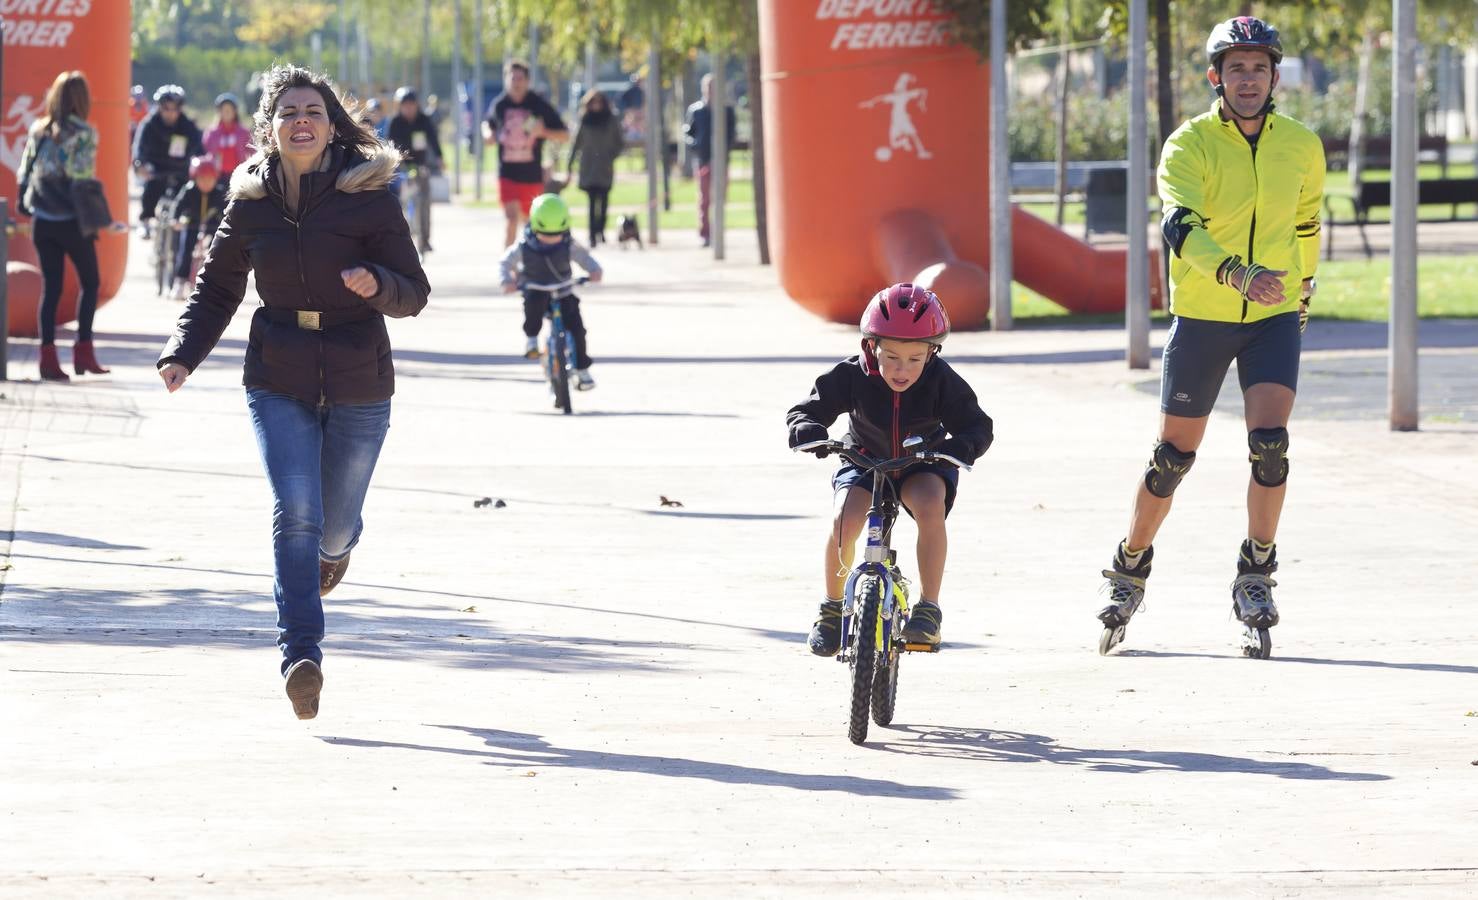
(875,599)
(415,203)
(559,347)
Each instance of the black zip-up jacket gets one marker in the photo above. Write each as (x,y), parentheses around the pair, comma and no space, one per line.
(151,144)
(345,218)
(190,206)
(880,418)
(401,134)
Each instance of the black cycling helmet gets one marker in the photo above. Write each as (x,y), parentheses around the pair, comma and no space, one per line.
(405,93)
(170,92)
(227,97)
(1243,33)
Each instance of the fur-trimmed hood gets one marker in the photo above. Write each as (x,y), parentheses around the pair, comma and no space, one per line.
(249,181)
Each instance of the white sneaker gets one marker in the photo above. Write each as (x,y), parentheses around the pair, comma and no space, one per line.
(531,348)
(583,381)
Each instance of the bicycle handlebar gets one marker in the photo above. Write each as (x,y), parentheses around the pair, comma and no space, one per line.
(556,286)
(862,460)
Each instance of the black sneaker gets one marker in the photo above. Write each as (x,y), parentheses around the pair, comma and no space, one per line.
(826,631)
(923,623)
(304,684)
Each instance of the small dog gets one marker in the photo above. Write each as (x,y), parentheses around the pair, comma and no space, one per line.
(629,231)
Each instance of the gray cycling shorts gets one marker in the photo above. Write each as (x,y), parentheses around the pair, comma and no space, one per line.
(1199,352)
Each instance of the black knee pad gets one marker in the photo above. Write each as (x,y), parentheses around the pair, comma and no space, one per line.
(1269,455)
(1167,467)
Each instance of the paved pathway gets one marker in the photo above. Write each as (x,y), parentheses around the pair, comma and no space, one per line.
(585,693)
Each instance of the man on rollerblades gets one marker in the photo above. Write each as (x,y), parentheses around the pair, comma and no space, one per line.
(1241,187)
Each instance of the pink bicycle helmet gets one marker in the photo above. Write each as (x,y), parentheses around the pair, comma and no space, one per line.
(903,312)
(203,165)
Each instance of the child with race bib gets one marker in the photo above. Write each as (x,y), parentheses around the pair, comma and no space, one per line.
(897,388)
(543,256)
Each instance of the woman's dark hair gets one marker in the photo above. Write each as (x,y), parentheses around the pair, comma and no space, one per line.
(67,96)
(349,132)
(590,97)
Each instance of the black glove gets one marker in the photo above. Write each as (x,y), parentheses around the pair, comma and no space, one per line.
(806,432)
(957,448)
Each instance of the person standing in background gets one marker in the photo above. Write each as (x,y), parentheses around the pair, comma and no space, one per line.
(699,135)
(228,141)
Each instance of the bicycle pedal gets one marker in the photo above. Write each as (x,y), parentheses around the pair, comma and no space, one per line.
(921,648)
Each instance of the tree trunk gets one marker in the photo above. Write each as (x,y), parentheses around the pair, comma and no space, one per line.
(1356,164)
(1164,55)
(757,154)
(1064,75)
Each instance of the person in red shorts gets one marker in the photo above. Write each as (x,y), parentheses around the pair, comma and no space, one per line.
(519,122)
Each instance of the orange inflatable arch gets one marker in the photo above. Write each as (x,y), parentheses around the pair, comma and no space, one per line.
(43,38)
(877,153)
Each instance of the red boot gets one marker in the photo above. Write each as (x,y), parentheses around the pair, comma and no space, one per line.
(85,361)
(51,369)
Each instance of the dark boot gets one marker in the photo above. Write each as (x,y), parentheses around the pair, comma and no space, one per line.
(85,361)
(826,632)
(51,369)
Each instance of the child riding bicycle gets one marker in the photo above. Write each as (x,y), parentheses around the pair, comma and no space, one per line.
(543,256)
(897,388)
(197,212)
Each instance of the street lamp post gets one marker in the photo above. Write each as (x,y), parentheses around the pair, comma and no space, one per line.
(1000,174)
(1136,279)
(1403,408)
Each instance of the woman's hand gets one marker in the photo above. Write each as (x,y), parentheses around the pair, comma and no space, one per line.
(596,276)
(174,376)
(510,287)
(361,281)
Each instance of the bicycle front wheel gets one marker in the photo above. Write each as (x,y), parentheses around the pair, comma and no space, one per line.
(864,656)
(559,375)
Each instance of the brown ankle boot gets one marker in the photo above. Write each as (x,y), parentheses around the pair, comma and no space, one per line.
(330,574)
(51,369)
(85,361)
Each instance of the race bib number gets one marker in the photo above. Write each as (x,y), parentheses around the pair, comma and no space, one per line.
(418,141)
(178,146)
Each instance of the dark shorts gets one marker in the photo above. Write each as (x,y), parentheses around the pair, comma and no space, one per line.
(849,476)
(1199,352)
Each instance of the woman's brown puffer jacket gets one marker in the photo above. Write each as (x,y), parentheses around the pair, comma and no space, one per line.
(345,218)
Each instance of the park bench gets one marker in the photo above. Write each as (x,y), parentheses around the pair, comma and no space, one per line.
(1371,195)
(1430,148)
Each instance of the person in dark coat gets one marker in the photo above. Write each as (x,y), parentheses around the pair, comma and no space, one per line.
(163,148)
(197,211)
(310,217)
(598,142)
(698,133)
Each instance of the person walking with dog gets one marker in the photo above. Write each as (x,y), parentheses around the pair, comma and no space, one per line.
(310,217)
(597,144)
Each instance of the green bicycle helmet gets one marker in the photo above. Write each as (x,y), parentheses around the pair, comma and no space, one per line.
(549,215)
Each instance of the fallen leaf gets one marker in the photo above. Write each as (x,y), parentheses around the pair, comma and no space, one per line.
(529,775)
(479,504)
(499,504)
(471,609)
(667,502)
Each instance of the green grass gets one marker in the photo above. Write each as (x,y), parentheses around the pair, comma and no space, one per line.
(629,195)
(1355,290)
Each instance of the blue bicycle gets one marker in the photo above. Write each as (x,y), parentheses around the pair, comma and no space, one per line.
(875,599)
(559,347)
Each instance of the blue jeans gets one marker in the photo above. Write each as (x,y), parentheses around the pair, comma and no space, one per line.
(319,460)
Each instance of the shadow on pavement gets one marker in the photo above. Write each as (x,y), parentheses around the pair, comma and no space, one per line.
(63,540)
(59,599)
(986,745)
(514,749)
(1358,663)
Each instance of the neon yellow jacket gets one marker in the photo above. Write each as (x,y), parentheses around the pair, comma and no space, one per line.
(1223,199)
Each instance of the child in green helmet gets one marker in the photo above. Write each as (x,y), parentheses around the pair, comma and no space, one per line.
(543,255)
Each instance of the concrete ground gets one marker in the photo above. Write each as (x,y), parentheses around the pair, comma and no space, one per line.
(587,693)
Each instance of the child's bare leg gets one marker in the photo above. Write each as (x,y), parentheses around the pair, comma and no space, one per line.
(924,497)
(841,544)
